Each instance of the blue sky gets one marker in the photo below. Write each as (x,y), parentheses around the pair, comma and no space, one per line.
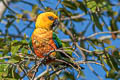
(79,27)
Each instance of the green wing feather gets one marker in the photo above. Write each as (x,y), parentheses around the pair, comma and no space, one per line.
(58,44)
(60,55)
(57,41)
(30,44)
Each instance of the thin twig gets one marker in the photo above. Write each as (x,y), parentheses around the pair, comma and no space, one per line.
(93,35)
(8,63)
(94,72)
(85,62)
(56,71)
(8,7)
(36,70)
(14,36)
(73,17)
(5,57)
(27,2)
(59,1)
(68,31)
(43,73)
(82,53)
(23,71)
(107,37)
(83,48)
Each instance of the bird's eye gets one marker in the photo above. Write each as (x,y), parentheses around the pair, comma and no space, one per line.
(50,17)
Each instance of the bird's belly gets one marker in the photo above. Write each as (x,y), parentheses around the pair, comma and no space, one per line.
(43,44)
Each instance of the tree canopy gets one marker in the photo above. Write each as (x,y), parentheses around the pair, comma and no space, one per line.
(89,30)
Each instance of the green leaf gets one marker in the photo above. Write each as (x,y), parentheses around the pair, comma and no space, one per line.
(5,50)
(65,12)
(66,47)
(67,76)
(111,74)
(93,28)
(19,16)
(92,43)
(3,70)
(111,62)
(69,4)
(98,51)
(95,18)
(12,75)
(92,5)
(34,10)
(10,16)
(24,50)
(116,54)
(95,42)
(14,42)
(107,41)
(24,42)
(9,23)
(16,57)
(81,6)
(113,25)
(110,47)
(111,13)
(15,49)
(97,6)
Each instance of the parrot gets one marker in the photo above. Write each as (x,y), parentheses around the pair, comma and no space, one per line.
(44,39)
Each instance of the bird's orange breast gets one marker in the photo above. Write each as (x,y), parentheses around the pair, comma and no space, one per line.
(42,42)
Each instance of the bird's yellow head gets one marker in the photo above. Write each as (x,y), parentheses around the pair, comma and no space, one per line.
(46,20)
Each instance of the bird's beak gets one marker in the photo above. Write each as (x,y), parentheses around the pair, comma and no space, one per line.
(55,23)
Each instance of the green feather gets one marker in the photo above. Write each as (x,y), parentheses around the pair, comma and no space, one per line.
(30,44)
(57,41)
(58,44)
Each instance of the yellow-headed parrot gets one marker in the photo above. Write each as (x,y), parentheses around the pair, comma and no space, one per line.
(43,39)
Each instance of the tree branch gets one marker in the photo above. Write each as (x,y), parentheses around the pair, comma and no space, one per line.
(3,7)
(93,35)
(6,5)
(73,17)
(94,72)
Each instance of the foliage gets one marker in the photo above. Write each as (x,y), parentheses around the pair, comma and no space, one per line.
(78,19)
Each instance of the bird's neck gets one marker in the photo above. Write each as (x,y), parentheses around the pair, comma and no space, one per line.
(42,31)
(47,29)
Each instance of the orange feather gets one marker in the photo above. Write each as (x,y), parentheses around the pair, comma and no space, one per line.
(42,42)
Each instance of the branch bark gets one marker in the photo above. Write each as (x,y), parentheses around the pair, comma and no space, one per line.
(73,17)
(3,7)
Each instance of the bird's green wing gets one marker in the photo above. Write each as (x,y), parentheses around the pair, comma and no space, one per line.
(57,41)
(60,55)
(30,44)
(58,44)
